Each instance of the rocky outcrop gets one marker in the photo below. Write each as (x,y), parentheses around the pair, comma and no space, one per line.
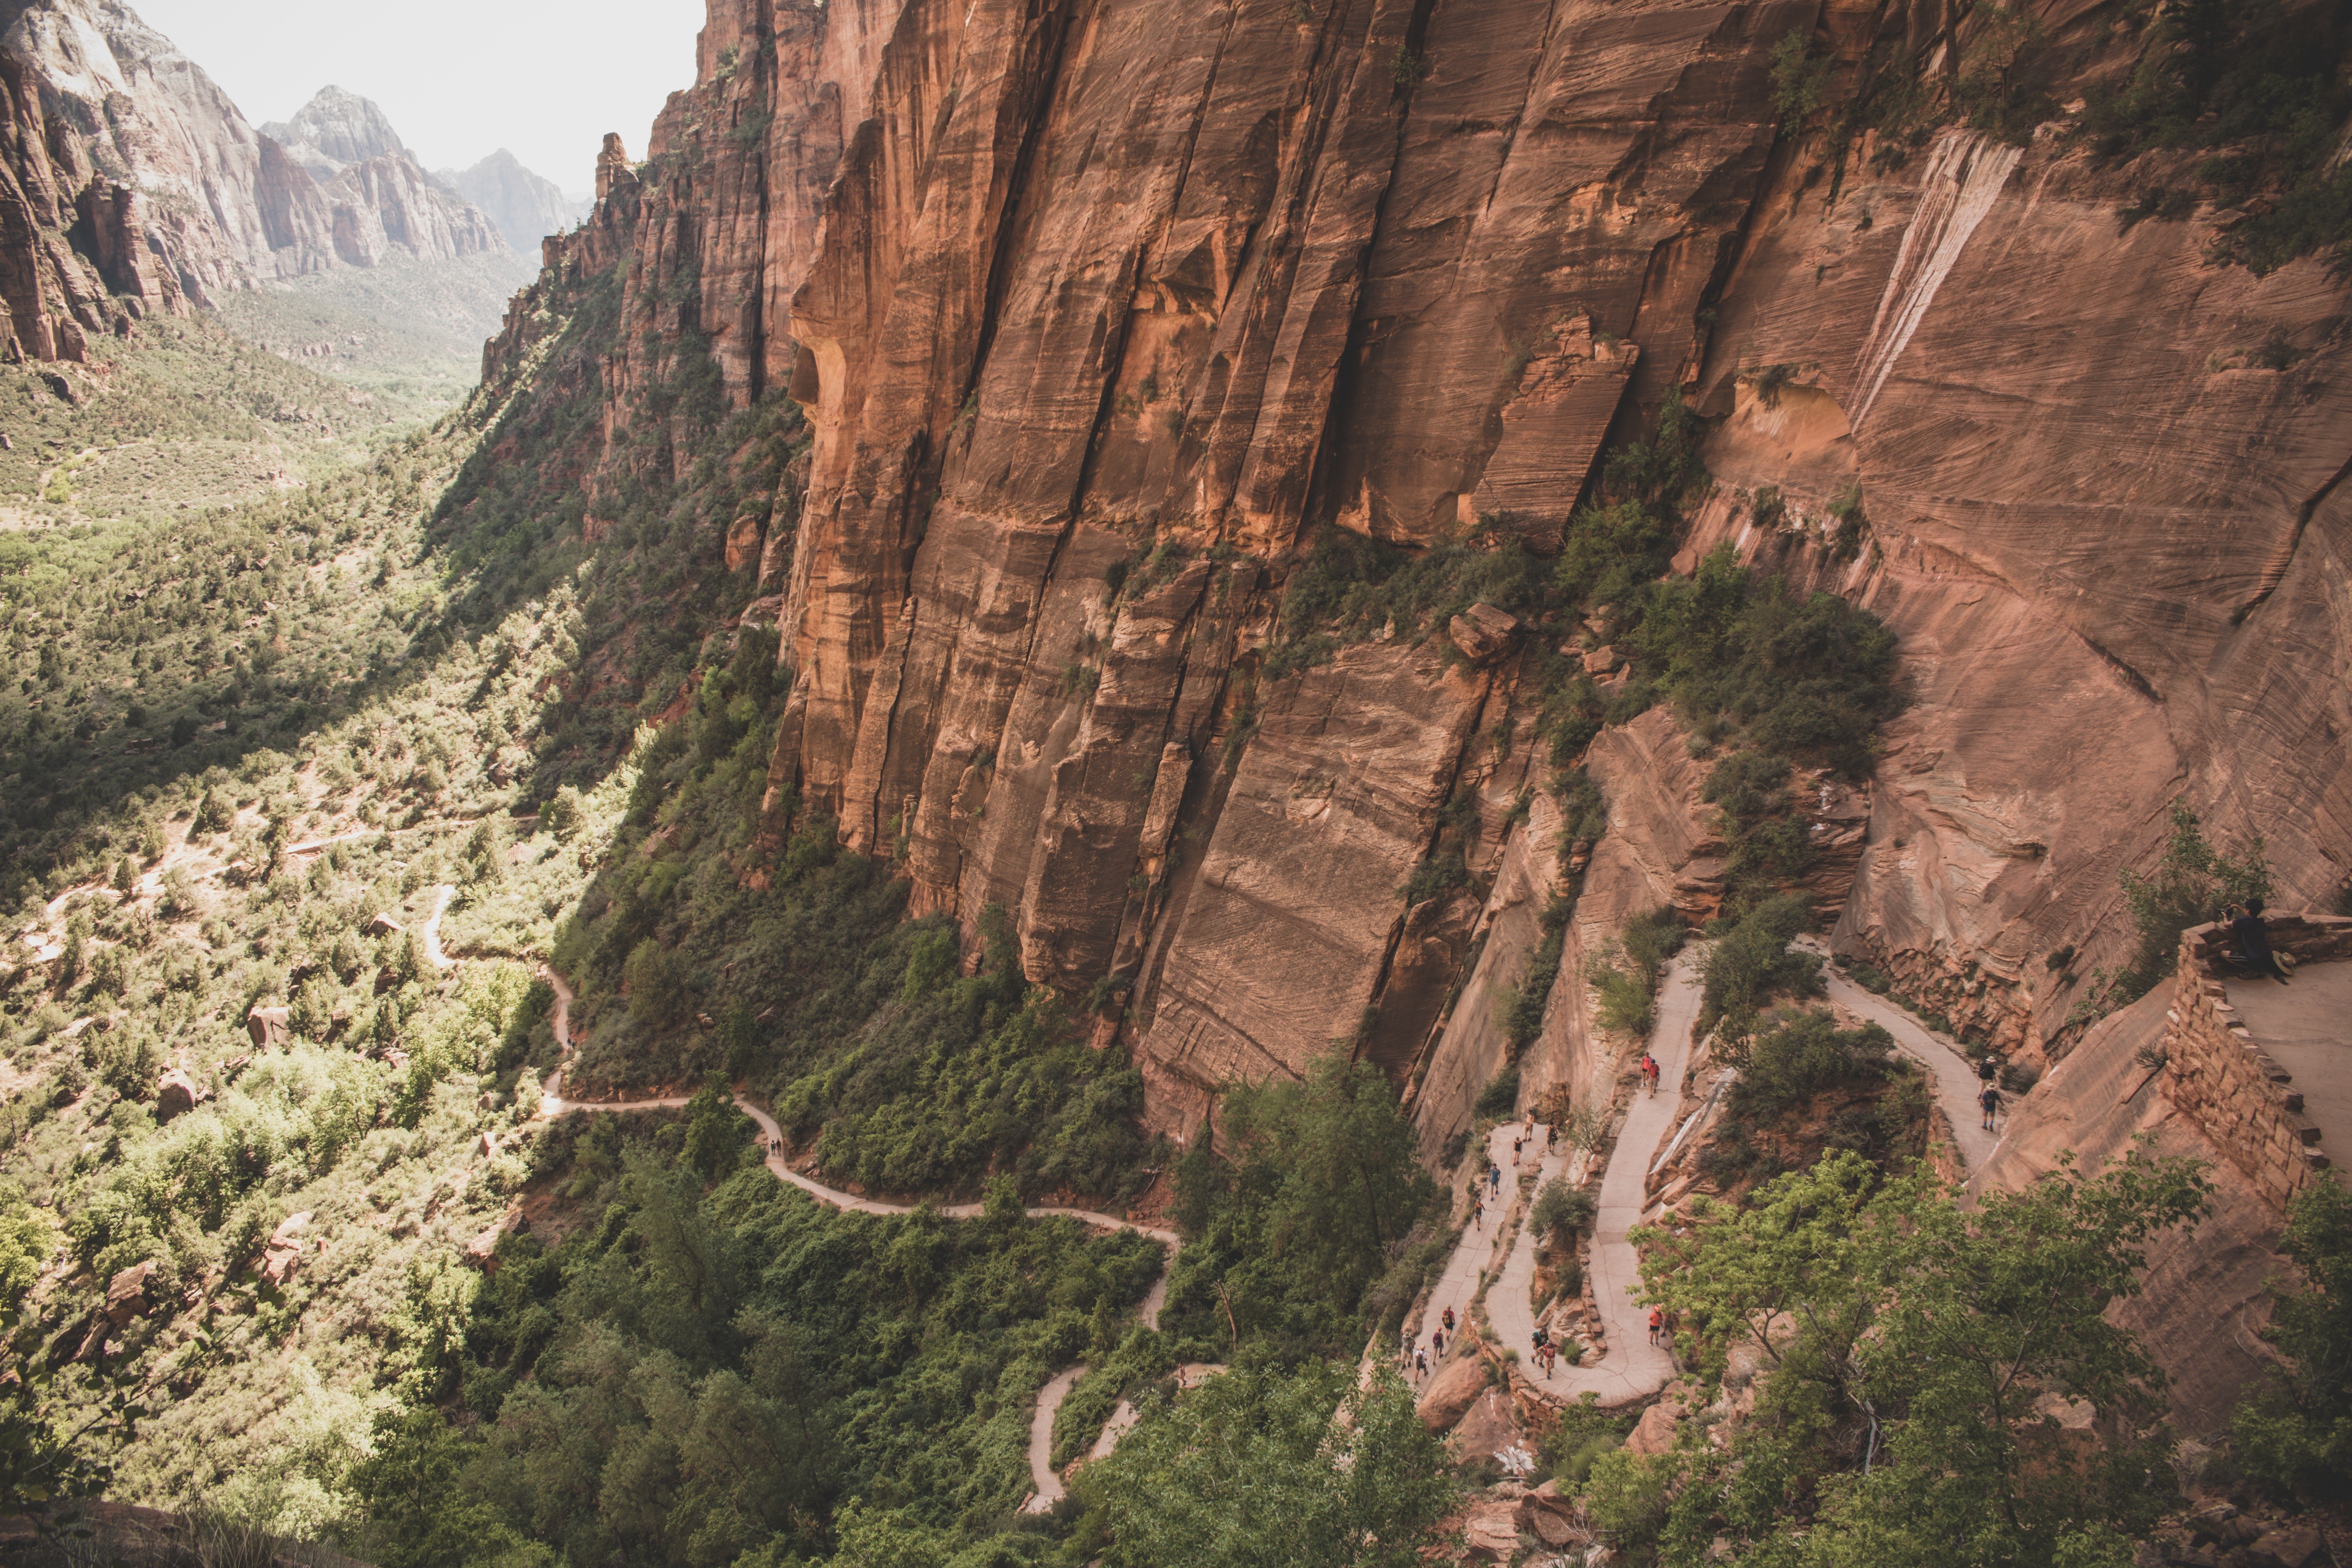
(2204,1298)
(389,201)
(378,196)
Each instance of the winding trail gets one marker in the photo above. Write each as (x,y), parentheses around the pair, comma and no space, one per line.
(1042,1474)
(1956,1081)
(1630,1368)
(442,893)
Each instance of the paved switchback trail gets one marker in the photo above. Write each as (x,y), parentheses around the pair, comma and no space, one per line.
(1042,1473)
(1955,1082)
(1632,1368)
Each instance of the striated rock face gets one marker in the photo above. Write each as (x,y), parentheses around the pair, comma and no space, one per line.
(378,194)
(390,200)
(2113,547)
(1097,312)
(129,183)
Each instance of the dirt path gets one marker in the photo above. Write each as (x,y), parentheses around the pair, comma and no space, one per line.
(1632,1367)
(1042,1473)
(1956,1081)
(442,893)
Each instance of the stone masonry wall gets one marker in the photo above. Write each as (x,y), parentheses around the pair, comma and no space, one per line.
(2219,1074)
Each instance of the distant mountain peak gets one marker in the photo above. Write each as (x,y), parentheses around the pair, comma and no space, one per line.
(525,205)
(335,130)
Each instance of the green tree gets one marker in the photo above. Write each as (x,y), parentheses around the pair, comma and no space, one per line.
(1271,1469)
(32,1463)
(1318,1196)
(419,1516)
(716,1132)
(1751,963)
(2193,883)
(1911,1353)
(2294,1434)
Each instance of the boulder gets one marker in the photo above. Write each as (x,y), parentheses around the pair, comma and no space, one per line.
(284,1248)
(1604,660)
(1654,1432)
(1490,1530)
(1482,633)
(2291,1547)
(126,1293)
(1490,1428)
(1450,1392)
(268,1026)
(1549,1516)
(482,1252)
(176,1093)
(383,925)
(743,541)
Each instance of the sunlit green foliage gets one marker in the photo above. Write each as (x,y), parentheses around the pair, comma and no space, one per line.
(1911,1354)
(1253,1469)
(694,1376)
(2294,1434)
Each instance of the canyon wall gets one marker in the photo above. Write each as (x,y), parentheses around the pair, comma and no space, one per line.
(1098,311)
(129,184)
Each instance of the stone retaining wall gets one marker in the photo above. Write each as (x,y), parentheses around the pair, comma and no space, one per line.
(2219,1076)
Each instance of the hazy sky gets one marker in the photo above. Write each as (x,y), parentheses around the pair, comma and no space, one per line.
(460,79)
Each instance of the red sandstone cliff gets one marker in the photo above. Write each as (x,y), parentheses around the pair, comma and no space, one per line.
(129,183)
(1094,307)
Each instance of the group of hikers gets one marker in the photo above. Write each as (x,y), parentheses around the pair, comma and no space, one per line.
(1418,1357)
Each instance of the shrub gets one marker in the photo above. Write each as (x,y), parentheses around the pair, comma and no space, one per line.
(1751,962)
(1501,1098)
(1801,80)
(1796,1056)
(1560,1208)
(1626,997)
(2193,883)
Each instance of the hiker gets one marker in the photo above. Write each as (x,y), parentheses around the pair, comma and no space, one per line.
(1437,1345)
(1420,1363)
(1550,1354)
(1543,1338)
(1495,1179)
(1988,1069)
(1551,1136)
(1479,1213)
(1404,1346)
(1658,1323)
(1449,1320)
(2254,940)
(1517,1143)
(1991,1100)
